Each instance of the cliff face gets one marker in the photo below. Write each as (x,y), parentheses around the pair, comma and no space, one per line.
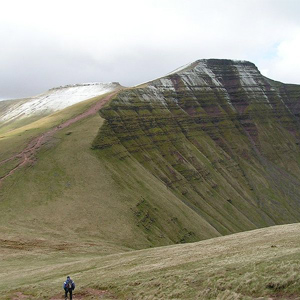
(222,137)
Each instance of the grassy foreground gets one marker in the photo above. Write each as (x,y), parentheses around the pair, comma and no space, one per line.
(259,264)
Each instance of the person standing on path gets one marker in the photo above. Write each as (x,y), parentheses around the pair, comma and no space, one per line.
(69,286)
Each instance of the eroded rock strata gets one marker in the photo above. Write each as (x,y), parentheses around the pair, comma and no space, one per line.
(222,137)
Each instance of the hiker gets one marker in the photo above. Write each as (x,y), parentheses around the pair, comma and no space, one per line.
(69,286)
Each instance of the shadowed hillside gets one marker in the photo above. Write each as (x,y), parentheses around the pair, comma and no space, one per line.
(220,136)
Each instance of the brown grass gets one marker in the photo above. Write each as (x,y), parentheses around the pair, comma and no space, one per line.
(260,263)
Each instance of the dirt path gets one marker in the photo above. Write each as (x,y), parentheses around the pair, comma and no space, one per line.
(87,293)
(28,154)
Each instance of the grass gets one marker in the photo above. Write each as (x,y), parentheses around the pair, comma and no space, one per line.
(157,178)
(260,263)
(238,171)
(14,139)
(86,195)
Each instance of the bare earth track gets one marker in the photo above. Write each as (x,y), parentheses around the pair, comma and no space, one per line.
(89,292)
(28,154)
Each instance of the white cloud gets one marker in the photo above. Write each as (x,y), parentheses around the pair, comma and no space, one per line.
(286,65)
(49,43)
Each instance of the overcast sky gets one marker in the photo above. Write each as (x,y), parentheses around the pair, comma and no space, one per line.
(45,44)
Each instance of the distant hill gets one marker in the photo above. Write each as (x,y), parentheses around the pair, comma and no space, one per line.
(28,109)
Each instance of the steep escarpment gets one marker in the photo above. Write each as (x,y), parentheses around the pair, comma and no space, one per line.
(220,136)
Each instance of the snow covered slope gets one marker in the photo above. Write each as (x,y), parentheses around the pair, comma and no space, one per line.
(54,99)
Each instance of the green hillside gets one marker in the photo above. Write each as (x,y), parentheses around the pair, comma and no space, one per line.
(70,192)
(208,151)
(259,264)
(205,152)
(226,145)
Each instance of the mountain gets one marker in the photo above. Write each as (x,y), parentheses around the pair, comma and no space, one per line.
(220,136)
(53,100)
(208,150)
(211,149)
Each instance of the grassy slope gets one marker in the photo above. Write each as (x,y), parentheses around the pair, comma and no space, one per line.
(75,205)
(259,263)
(239,171)
(71,192)
(14,137)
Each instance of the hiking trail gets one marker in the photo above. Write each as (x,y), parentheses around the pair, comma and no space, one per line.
(27,155)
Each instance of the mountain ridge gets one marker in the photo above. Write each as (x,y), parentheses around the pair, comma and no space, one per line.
(211,104)
(54,99)
(206,151)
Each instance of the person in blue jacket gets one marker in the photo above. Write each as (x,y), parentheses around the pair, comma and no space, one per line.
(69,286)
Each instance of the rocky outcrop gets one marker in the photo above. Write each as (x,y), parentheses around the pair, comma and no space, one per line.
(222,137)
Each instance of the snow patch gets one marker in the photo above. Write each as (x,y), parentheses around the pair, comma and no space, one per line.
(57,98)
(251,82)
(246,75)
(155,94)
(163,77)
(167,84)
(202,69)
